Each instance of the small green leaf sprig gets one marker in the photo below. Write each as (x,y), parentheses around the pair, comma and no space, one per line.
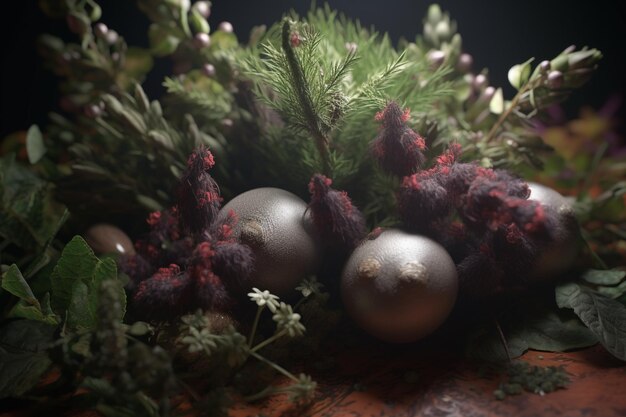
(100,63)
(197,336)
(549,83)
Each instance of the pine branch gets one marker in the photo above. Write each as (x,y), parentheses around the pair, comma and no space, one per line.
(316,126)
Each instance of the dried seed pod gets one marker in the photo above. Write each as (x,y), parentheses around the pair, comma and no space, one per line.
(275,224)
(399,287)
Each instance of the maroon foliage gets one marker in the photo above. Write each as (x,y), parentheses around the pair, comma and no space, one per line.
(196,258)
(397,148)
(198,194)
(483,217)
(164,295)
(233,262)
(338,221)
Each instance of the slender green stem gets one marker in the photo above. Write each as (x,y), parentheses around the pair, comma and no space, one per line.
(255,325)
(304,98)
(274,366)
(268,341)
(503,340)
(190,390)
(300,301)
(505,114)
(261,394)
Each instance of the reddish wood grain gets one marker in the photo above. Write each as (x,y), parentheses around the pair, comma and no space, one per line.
(374,384)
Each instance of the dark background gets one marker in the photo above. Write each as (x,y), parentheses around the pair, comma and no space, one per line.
(497,33)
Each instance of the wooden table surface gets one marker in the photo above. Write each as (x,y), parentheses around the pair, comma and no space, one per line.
(366,383)
(371,381)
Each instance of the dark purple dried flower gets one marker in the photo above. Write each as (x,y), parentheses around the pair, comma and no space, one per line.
(479,274)
(222,230)
(164,225)
(515,186)
(197,193)
(164,295)
(209,290)
(338,221)
(422,201)
(136,267)
(233,262)
(397,148)
(485,205)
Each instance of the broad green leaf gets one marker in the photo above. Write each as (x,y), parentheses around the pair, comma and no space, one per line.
(554,333)
(80,316)
(602,315)
(35,147)
(14,283)
(565,294)
(603,277)
(106,270)
(613,292)
(27,307)
(530,324)
(77,263)
(485,345)
(27,311)
(23,357)
(29,216)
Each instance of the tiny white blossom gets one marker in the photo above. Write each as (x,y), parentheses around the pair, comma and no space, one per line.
(310,286)
(286,319)
(264,298)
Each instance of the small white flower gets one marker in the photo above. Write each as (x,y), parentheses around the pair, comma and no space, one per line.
(310,286)
(286,319)
(264,298)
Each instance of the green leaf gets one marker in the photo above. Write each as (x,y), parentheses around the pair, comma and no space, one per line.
(23,358)
(106,270)
(542,330)
(496,105)
(80,316)
(35,147)
(137,64)
(565,293)
(555,333)
(77,263)
(149,202)
(83,307)
(603,277)
(603,316)
(518,74)
(221,40)
(29,216)
(26,311)
(163,41)
(14,283)
(198,22)
(485,345)
(613,292)
(28,307)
